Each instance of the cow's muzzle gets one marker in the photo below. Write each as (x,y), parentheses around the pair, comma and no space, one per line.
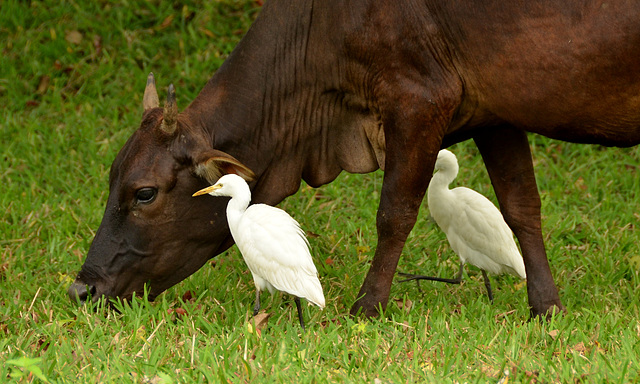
(80,292)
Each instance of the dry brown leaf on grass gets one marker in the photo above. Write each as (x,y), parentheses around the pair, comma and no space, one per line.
(207,32)
(312,235)
(580,348)
(405,304)
(43,84)
(258,322)
(189,296)
(167,21)
(74,37)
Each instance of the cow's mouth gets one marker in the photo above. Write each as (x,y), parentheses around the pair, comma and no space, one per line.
(79,292)
(82,293)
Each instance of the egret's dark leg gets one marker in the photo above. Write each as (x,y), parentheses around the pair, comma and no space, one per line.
(417,278)
(297,300)
(487,284)
(256,307)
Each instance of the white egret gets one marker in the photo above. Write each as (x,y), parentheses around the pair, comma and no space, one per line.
(474,226)
(272,244)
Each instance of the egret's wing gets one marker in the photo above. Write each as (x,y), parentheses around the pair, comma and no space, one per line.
(480,236)
(276,249)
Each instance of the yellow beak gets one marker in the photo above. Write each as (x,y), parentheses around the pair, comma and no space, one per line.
(207,190)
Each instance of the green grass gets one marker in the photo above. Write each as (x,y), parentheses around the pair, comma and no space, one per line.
(71,81)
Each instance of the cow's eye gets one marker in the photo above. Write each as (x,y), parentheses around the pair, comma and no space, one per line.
(146,195)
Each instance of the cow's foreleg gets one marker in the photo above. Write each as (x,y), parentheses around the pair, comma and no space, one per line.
(506,154)
(414,129)
(399,204)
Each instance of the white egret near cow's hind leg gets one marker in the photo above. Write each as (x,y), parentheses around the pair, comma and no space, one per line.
(475,228)
(272,244)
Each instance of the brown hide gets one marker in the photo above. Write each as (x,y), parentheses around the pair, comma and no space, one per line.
(315,88)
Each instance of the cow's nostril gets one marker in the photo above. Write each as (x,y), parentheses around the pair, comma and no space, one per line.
(79,291)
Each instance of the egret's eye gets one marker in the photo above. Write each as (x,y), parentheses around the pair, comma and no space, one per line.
(146,195)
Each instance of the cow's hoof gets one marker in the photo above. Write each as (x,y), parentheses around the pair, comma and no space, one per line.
(367,308)
(546,315)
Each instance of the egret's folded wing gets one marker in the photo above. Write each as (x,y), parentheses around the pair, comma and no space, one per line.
(275,247)
(479,227)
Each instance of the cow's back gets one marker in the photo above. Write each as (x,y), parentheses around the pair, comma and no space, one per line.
(568,70)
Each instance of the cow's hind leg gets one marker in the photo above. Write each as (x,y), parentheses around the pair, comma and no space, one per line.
(506,154)
(414,125)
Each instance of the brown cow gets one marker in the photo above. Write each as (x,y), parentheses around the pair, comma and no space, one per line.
(318,87)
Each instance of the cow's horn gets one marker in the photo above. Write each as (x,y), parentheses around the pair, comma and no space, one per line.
(150,99)
(169,124)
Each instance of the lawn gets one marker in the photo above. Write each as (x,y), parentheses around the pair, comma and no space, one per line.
(71,80)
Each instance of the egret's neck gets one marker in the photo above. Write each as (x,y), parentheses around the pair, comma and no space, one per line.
(439,195)
(444,177)
(236,207)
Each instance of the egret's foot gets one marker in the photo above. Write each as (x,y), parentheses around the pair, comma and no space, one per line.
(411,277)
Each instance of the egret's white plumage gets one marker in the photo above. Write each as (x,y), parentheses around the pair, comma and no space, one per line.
(475,228)
(271,242)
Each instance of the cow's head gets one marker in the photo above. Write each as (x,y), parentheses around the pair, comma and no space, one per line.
(152,231)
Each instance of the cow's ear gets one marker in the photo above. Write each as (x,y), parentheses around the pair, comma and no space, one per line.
(213,164)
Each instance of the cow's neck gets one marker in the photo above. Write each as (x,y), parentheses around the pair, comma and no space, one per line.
(281,104)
